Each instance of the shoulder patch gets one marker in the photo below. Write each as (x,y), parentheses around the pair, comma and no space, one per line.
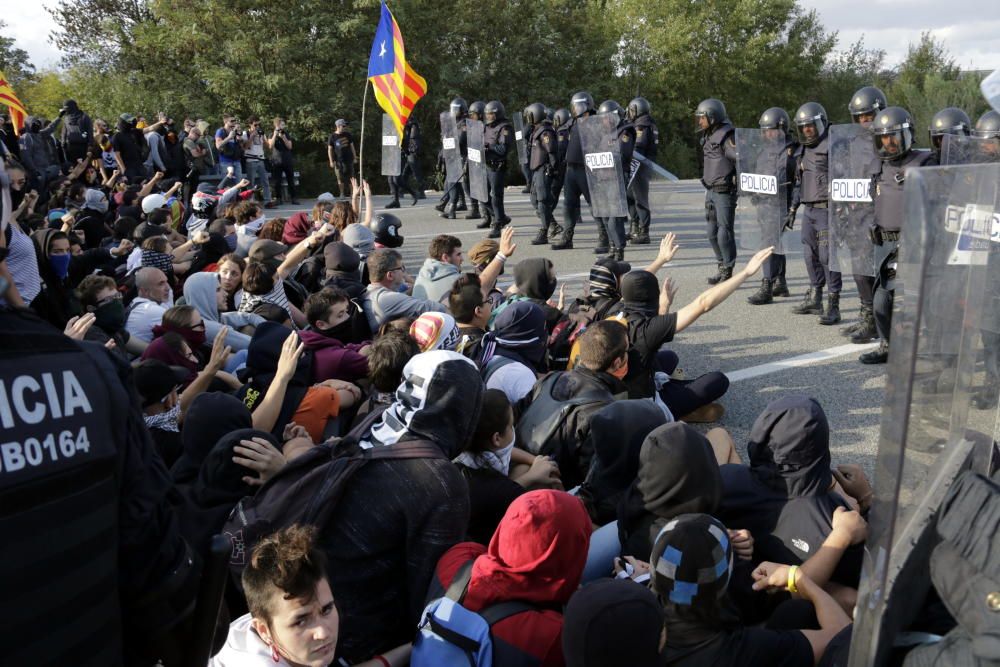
(625,138)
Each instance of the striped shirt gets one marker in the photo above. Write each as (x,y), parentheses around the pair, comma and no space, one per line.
(23,265)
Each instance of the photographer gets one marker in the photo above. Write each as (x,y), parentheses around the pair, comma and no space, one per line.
(341,154)
(282,160)
(256,143)
(229,143)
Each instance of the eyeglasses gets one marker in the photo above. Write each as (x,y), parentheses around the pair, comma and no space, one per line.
(198,327)
(398,268)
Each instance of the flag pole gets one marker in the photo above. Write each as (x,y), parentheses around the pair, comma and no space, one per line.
(361,150)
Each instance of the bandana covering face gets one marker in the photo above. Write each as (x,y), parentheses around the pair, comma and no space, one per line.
(439,400)
(498,459)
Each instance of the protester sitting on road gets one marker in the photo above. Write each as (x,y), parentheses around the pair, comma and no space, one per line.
(514,353)
(385,299)
(472,314)
(330,326)
(440,270)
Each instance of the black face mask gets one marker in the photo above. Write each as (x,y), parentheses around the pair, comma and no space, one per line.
(344,332)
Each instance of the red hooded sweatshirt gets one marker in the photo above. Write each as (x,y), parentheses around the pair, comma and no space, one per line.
(536,556)
(334,360)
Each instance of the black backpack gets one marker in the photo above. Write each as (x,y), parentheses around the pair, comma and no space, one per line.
(308,489)
(72,131)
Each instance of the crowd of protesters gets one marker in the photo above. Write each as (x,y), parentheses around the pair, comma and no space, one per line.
(514,446)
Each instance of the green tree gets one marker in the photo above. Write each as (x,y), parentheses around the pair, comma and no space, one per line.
(843,74)
(45,93)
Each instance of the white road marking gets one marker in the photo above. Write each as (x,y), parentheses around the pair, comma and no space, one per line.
(796,362)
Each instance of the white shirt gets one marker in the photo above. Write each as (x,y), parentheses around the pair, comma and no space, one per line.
(144,316)
(245,648)
(516,380)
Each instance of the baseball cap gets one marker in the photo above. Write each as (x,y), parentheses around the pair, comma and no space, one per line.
(265,249)
(127,118)
(326,197)
(154,380)
(692,561)
(341,122)
(360,238)
(152,202)
(483,252)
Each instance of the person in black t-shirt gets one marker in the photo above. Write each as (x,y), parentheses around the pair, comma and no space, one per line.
(692,567)
(283,160)
(340,152)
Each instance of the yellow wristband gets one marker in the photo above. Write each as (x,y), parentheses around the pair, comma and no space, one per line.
(791,588)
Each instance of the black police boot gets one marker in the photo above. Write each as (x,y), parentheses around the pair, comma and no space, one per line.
(565,242)
(603,244)
(618,254)
(762,295)
(462,206)
(555,229)
(393,204)
(865,332)
(440,206)
(450,213)
(474,213)
(779,287)
(832,314)
(642,238)
(633,230)
(415,199)
(506,221)
(542,237)
(879,355)
(812,304)
(987,397)
(487,222)
(495,230)
(717,278)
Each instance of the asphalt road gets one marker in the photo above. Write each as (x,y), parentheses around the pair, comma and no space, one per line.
(759,347)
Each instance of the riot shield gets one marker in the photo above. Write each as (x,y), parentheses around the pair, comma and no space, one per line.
(476,154)
(763,188)
(602,156)
(959,149)
(391,160)
(930,433)
(451,148)
(852,210)
(521,138)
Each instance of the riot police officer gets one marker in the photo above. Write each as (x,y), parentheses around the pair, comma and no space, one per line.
(498,138)
(476,112)
(718,146)
(93,568)
(457,193)
(893,135)
(527,128)
(950,120)
(647,139)
(560,123)
(865,104)
(412,143)
(812,189)
(626,136)
(863,107)
(781,161)
(575,176)
(542,162)
(988,130)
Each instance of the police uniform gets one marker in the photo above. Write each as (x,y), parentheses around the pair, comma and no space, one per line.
(343,153)
(412,143)
(93,568)
(647,139)
(498,137)
(719,178)
(542,164)
(562,145)
(615,227)
(574,185)
(781,163)
(812,189)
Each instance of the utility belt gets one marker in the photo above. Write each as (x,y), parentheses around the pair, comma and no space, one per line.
(880,236)
(723,188)
(496,165)
(817,204)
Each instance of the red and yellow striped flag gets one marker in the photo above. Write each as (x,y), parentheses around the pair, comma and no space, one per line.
(397,86)
(17,110)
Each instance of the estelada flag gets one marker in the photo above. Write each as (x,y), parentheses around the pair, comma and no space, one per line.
(17,110)
(397,86)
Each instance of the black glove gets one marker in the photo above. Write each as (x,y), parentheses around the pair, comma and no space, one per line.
(790,219)
(875,235)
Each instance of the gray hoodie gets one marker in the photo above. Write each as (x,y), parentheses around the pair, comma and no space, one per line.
(199,291)
(435,280)
(381,305)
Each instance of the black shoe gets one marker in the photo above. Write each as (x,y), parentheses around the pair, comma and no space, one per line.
(448,215)
(762,295)
(717,278)
(393,204)
(506,221)
(603,242)
(526,191)
(779,287)
(461,207)
(541,238)
(473,214)
(494,232)
(812,304)
(602,250)
(642,237)
(633,230)
(866,331)
(853,327)
(879,355)
(565,243)
(555,230)
(832,314)
(440,207)
(485,224)
(415,200)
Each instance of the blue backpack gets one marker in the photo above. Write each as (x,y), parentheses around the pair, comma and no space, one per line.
(449,635)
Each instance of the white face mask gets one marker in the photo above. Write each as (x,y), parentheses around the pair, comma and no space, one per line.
(497,459)
(503,455)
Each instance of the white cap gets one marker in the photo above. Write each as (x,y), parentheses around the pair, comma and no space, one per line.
(326,197)
(152,202)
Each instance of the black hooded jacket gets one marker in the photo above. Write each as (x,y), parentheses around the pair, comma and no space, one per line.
(532,279)
(210,417)
(783,497)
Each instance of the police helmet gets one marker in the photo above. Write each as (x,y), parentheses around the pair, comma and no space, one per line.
(948,121)
(610,106)
(458,108)
(811,113)
(581,103)
(636,108)
(711,109)
(477,109)
(534,113)
(386,228)
(775,118)
(561,116)
(495,108)
(893,122)
(988,125)
(549,112)
(866,100)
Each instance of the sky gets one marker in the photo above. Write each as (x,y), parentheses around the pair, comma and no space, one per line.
(970,31)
